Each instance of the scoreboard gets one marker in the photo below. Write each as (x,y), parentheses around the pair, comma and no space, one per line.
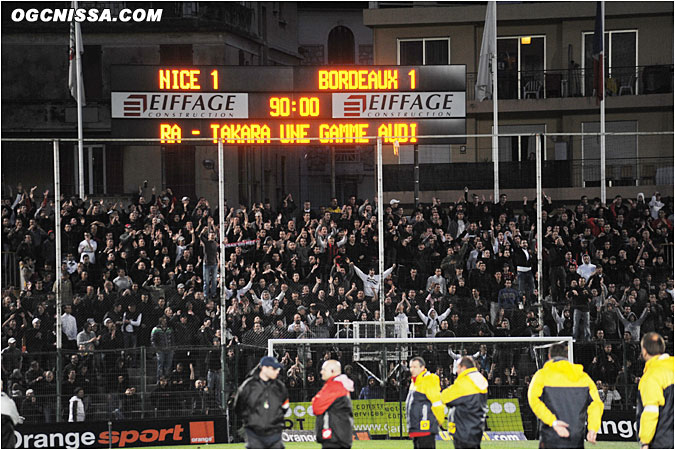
(304,105)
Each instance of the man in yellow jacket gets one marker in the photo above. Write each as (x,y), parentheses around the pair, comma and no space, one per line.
(655,402)
(564,397)
(424,409)
(467,399)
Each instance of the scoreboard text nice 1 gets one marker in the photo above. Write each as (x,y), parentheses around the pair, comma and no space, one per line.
(290,105)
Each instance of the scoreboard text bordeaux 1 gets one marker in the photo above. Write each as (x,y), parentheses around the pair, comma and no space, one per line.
(290,105)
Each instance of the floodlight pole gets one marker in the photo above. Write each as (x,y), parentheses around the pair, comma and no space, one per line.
(416,164)
(380,233)
(540,238)
(223,283)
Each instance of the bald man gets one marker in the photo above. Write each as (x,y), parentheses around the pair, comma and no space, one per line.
(332,407)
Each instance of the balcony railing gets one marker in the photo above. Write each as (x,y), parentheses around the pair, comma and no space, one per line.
(577,82)
(522,175)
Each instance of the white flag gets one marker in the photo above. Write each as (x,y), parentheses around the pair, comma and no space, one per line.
(487,49)
(73,76)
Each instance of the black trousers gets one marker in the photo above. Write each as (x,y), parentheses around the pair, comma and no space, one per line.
(254,440)
(424,441)
(461,444)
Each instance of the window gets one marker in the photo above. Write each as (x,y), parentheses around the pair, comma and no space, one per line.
(521,66)
(427,51)
(95,172)
(621,160)
(340,46)
(92,72)
(620,60)
(520,148)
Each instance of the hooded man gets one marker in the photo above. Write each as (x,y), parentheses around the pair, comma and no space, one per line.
(432,321)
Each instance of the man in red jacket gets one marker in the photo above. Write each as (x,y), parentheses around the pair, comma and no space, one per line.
(332,407)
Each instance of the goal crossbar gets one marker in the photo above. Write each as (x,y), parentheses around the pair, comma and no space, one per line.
(474,340)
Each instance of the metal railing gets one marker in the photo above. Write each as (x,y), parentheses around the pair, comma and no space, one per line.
(10,270)
(577,82)
(522,174)
(126,383)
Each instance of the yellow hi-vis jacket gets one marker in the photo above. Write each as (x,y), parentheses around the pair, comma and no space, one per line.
(467,399)
(563,391)
(655,403)
(424,409)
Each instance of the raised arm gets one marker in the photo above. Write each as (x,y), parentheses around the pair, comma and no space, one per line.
(358,271)
(443,316)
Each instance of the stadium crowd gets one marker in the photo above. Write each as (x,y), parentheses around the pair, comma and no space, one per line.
(146,275)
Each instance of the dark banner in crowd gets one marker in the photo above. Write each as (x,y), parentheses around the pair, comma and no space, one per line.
(618,426)
(122,434)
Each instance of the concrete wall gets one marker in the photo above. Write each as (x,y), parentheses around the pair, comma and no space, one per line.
(142,162)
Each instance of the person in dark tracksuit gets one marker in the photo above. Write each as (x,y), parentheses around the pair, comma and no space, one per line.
(424,409)
(332,406)
(467,399)
(655,402)
(263,401)
(564,398)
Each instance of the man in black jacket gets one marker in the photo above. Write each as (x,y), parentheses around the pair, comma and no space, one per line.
(263,400)
(332,407)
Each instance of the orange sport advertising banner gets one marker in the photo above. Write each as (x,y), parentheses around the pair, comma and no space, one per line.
(122,434)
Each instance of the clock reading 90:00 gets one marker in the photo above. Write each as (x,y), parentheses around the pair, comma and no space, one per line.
(285,107)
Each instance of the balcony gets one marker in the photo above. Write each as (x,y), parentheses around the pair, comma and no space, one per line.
(522,175)
(577,82)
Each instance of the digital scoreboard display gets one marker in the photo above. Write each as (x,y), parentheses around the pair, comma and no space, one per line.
(257,105)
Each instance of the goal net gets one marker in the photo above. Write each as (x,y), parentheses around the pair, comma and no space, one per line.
(379,369)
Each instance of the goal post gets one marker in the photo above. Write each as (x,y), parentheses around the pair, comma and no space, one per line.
(379,369)
(441,340)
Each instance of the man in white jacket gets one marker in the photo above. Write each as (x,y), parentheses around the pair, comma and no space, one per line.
(432,321)
(655,205)
(76,406)
(371,282)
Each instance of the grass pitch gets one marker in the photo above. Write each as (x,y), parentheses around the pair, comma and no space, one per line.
(407,444)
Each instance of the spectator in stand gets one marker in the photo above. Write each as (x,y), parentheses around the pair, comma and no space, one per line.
(31,410)
(12,358)
(76,412)
(586,269)
(371,282)
(210,263)
(524,261)
(372,390)
(507,300)
(608,395)
(162,397)
(581,299)
(432,321)
(69,327)
(162,341)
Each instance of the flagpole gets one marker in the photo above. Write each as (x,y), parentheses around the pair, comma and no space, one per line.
(57,281)
(495,126)
(80,145)
(603,175)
